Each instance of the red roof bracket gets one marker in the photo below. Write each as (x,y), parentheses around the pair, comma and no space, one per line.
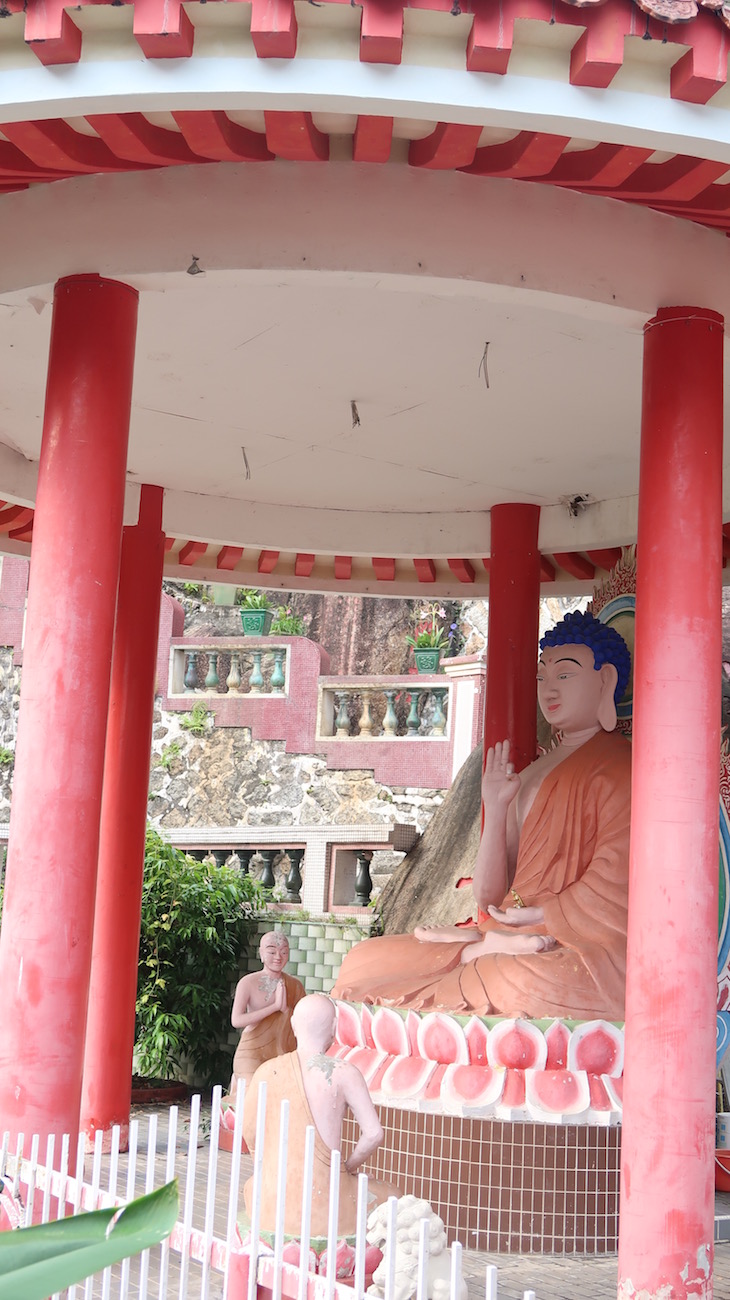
(702,69)
(274,28)
(51,34)
(463,569)
(294,136)
(577,565)
(381,31)
(373,139)
(384,569)
(212,134)
(303,565)
(268,561)
(606,558)
(191,551)
(425,570)
(449,146)
(228,557)
(343,568)
(162,29)
(547,570)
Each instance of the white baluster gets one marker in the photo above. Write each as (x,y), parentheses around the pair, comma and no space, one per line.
(306,1224)
(189,1194)
(281,1195)
(215,1120)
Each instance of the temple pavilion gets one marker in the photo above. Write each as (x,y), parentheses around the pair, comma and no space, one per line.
(384,298)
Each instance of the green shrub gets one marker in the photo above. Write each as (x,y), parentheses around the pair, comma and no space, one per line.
(196,721)
(252,598)
(287,623)
(196,919)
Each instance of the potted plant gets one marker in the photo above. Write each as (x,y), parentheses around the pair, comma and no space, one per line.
(256,612)
(429,637)
(286,623)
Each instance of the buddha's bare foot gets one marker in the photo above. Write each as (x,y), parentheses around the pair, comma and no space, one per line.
(515,944)
(446,934)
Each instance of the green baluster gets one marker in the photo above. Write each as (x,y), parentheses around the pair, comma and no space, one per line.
(267,875)
(277,676)
(438,724)
(342,721)
(191,672)
(256,680)
(390,721)
(233,680)
(211,680)
(413,721)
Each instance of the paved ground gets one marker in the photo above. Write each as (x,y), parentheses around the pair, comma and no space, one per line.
(550,1277)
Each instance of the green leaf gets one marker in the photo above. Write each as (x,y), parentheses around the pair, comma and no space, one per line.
(35,1262)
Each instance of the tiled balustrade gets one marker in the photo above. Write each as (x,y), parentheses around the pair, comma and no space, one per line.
(208,669)
(388,708)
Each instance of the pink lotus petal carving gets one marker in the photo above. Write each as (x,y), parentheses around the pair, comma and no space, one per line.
(615,1090)
(349,1030)
(596,1047)
(413,1023)
(441,1038)
(557,1037)
(600,1099)
(389,1032)
(368,1061)
(366,1020)
(477,1035)
(407,1076)
(474,1087)
(517,1045)
(556,1092)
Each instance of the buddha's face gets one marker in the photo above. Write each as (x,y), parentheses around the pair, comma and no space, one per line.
(569,689)
(274,952)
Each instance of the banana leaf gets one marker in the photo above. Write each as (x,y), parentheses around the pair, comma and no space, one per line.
(35,1262)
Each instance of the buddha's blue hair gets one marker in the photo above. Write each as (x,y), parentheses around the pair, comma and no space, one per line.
(608,646)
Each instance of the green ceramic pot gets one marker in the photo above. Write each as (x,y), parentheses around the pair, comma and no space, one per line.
(257,622)
(427,661)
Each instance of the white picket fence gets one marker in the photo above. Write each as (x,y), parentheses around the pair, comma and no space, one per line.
(196,1260)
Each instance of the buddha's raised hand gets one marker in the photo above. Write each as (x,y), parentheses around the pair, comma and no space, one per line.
(500,782)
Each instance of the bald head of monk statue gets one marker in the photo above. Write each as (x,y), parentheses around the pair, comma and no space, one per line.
(314,1020)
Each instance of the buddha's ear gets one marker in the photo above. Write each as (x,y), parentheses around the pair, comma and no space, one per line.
(607,703)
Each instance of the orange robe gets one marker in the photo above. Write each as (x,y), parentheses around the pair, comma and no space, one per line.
(573,861)
(271,1037)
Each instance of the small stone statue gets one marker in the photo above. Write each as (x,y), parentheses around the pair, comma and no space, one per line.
(320,1089)
(262,1008)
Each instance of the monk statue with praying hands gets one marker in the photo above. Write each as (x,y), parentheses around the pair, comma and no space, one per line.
(262,1009)
(552,867)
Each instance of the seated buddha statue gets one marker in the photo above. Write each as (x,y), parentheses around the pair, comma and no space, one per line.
(552,867)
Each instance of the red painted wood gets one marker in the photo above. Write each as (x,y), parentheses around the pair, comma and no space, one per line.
(529,154)
(303,565)
(212,134)
(425,570)
(343,568)
(14,517)
(492,32)
(381,31)
(605,558)
(599,52)
(294,136)
(605,166)
(547,570)
(131,136)
(373,139)
(274,28)
(162,29)
(702,70)
(228,557)
(169,543)
(463,569)
(107,1077)
(22,534)
(191,551)
(679,179)
(268,561)
(668,1134)
(45,944)
(575,564)
(384,569)
(51,34)
(514,602)
(449,146)
(55,144)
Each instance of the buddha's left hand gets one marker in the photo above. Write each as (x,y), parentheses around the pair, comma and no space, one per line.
(517,916)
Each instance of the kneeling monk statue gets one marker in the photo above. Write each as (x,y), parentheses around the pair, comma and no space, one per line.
(551,869)
(320,1090)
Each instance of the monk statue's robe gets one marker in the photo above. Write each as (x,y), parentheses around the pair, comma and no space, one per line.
(283,1078)
(573,861)
(271,1037)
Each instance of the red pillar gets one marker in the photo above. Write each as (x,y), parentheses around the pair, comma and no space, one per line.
(107,1081)
(667,1183)
(514,596)
(45,945)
